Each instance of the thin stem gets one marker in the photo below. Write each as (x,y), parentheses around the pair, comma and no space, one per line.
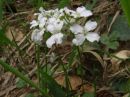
(38,63)
(67,81)
(80,65)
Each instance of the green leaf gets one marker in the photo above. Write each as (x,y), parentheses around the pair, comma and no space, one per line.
(121,28)
(126,8)
(63,3)
(122,84)
(21,83)
(1,10)
(110,40)
(88,94)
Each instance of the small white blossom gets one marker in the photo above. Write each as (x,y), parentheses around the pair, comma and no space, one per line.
(54,39)
(81,12)
(58,20)
(41,22)
(37,35)
(82,33)
(54,25)
(34,23)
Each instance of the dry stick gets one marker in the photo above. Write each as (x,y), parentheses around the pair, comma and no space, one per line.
(16,14)
(113,20)
(115,74)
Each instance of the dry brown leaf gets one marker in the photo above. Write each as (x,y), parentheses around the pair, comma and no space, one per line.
(87,88)
(74,80)
(17,33)
(118,58)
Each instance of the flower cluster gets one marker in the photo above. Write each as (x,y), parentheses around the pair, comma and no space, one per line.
(58,21)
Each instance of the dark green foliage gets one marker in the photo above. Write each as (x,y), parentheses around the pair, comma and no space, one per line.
(64,3)
(121,28)
(110,40)
(90,6)
(1,10)
(121,84)
(126,7)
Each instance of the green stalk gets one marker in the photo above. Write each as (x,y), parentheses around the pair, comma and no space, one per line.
(20,75)
(126,8)
(38,64)
(80,65)
(1,10)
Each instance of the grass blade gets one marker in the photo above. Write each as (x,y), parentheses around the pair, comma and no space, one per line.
(126,8)
(20,75)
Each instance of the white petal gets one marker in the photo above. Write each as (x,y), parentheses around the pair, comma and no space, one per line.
(37,35)
(90,25)
(51,20)
(42,22)
(54,25)
(80,9)
(41,9)
(79,39)
(50,28)
(83,11)
(54,39)
(92,36)
(34,23)
(59,25)
(86,13)
(76,29)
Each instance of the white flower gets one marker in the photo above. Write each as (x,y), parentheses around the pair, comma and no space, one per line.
(34,23)
(81,12)
(54,39)
(37,35)
(40,22)
(82,33)
(54,25)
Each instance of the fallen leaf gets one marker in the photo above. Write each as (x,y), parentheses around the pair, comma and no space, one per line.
(17,34)
(75,81)
(118,58)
